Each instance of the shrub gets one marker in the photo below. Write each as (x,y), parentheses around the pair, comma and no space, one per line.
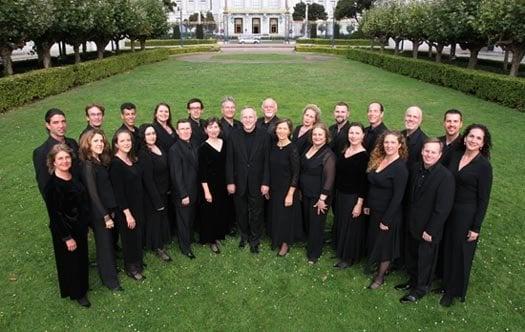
(176,42)
(321,41)
(193,49)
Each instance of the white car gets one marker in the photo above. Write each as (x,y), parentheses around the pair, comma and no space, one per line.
(249,40)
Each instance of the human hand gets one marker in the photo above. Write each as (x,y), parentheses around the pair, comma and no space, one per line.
(356,212)
(110,224)
(130,221)
(208,197)
(185,201)
(321,207)
(427,237)
(472,236)
(231,189)
(366,211)
(71,245)
(383,227)
(288,200)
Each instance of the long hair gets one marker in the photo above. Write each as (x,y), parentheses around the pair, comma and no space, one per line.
(53,153)
(487,139)
(142,135)
(131,153)
(378,154)
(84,149)
(168,122)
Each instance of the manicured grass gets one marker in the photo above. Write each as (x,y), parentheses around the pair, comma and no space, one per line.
(235,290)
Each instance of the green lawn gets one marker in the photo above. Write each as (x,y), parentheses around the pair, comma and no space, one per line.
(237,290)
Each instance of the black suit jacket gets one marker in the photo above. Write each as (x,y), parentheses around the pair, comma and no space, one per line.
(227,129)
(267,126)
(248,170)
(414,144)
(338,139)
(429,207)
(184,165)
(198,136)
(371,136)
(40,161)
(136,138)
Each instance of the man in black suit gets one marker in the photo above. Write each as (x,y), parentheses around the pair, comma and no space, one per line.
(452,140)
(247,177)
(183,162)
(375,115)
(56,126)
(415,137)
(339,130)
(430,199)
(228,122)
(269,118)
(128,114)
(195,108)
(94,117)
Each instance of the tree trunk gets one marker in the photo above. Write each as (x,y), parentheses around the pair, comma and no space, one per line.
(439,52)
(396,49)
(430,50)
(44,53)
(517,56)
(84,47)
(117,47)
(453,51)
(506,61)
(76,49)
(142,44)
(101,45)
(5,53)
(132,44)
(382,45)
(415,48)
(473,60)
(64,52)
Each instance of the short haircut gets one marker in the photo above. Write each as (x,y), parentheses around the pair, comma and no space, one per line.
(53,153)
(316,110)
(52,112)
(288,123)
(453,111)
(322,126)
(430,140)
(270,100)
(90,106)
(182,121)
(127,106)
(342,103)
(381,107)
(227,99)
(194,100)
(211,121)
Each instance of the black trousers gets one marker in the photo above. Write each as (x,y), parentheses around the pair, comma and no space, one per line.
(249,214)
(106,262)
(315,228)
(185,216)
(420,258)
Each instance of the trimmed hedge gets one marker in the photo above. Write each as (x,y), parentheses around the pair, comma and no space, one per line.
(504,90)
(193,49)
(174,42)
(322,41)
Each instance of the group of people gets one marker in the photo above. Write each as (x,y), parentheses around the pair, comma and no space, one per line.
(399,199)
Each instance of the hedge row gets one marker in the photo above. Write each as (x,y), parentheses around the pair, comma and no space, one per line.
(174,42)
(323,41)
(193,49)
(504,90)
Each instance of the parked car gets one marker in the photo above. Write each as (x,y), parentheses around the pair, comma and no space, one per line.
(249,40)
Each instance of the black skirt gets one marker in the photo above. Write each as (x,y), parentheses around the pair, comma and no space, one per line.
(350,232)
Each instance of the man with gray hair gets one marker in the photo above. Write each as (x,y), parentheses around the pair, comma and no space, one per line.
(415,137)
(228,122)
(269,118)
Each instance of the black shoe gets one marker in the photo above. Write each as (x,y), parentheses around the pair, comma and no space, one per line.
(254,249)
(342,265)
(137,276)
(242,244)
(163,255)
(190,255)
(312,261)
(83,301)
(446,300)
(438,290)
(215,249)
(403,287)
(117,289)
(409,298)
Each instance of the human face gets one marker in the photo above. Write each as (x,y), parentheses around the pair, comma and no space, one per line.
(475,140)
(374,114)
(282,131)
(248,119)
(213,130)
(150,136)
(129,116)
(162,114)
(318,137)
(431,154)
(95,117)
(62,161)
(452,124)
(269,108)
(57,126)
(228,110)
(355,135)
(340,114)
(413,118)
(309,118)
(96,145)
(195,110)
(184,131)
(391,145)
(124,143)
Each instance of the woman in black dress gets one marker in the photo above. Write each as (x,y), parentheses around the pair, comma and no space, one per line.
(316,182)
(126,177)
(351,186)
(387,178)
(166,135)
(473,172)
(154,161)
(66,199)
(215,214)
(301,134)
(95,156)
(284,206)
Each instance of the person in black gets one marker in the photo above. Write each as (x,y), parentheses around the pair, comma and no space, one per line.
(156,171)
(56,126)
(215,211)
(95,158)
(94,117)
(452,140)
(247,177)
(339,130)
(166,135)
(376,128)
(128,114)
(387,179)
(228,122)
(473,173)
(267,121)
(65,199)
(429,199)
(413,134)
(301,134)
(284,205)
(184,165)
(195,108)
(351,186)
(126,175)
(316,182)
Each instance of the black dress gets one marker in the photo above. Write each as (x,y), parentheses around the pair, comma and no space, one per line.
(385,196)
(284,173)
(351,184)
(215,216)
(164,139)
(156,231)
(473,186)
(68,219)
(301,142)
(127,186)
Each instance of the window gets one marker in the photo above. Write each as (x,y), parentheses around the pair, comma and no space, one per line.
(256,26)
(274,25)
(238,25)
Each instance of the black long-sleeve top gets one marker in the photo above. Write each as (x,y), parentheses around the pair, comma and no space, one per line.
(302,143)
(164,139)
(96,180)
(318,173)
(338,136)
(351,174)
(285,167)
(449,149)
(371,136)
(415,143)
(227,128)
(127,186)
(156,176)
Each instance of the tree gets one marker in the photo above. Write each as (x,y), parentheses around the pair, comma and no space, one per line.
(440,27)
(375,24)
(76,23)
(169,5)
(397,22)
(50,32)
(210,22)
(105,26)
(350,8)
(176,32)
(153,21)
(504,23)
(415,20)
(126,19)
(315,12)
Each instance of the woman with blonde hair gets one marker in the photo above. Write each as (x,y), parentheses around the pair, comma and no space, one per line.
(301,134)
